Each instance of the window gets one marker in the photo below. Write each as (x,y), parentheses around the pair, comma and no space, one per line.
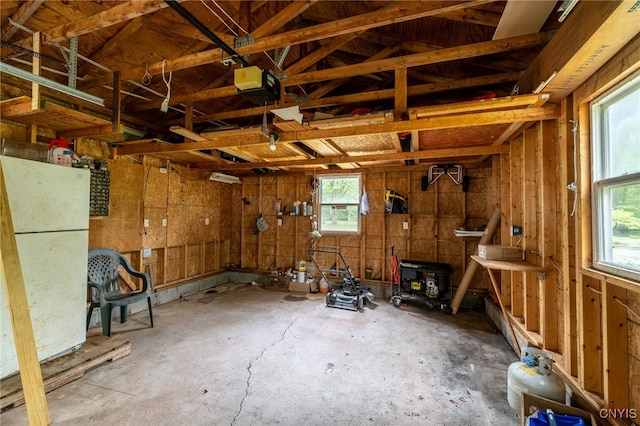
(615,119)
(339,204)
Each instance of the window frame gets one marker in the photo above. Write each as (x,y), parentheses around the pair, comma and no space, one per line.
(603,180)
(356,204)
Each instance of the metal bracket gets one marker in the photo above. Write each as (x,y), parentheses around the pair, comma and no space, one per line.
(454,171)
(542,276)
(243,41)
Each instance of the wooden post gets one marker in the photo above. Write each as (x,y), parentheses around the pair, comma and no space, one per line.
(473,266)
(615,342)
(529,228)
(548,182)
(30,372)
(517,278)
(36,68)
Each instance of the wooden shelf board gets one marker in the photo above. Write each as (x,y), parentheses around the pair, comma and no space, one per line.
(49,115)
(507,265)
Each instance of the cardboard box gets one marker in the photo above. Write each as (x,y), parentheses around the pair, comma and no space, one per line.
(297,287)
(494,252)
(532,403)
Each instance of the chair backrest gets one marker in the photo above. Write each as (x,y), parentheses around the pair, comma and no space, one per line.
(103,270)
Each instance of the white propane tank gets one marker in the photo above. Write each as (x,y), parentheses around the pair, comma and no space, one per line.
(533,374)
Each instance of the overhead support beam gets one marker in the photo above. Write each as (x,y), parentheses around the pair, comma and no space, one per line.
(27,9)
(244,137)
(374,95)
(419,59)
(588,38)
(431,154)
(393,14)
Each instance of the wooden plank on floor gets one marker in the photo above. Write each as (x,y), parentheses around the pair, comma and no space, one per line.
(96,351)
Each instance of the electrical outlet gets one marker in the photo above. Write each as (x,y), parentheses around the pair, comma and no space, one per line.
(146,223)
(164,222)
(515,231)
(206,220)
(405,225)
(163,170)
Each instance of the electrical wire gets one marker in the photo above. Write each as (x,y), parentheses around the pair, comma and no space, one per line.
(165,103)
(573,186)
(228,16)
(219,18)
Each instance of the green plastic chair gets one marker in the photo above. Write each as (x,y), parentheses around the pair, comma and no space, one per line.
(104,283)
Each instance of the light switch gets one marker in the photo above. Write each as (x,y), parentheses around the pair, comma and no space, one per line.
(405,225)
(206,220)
(164,222)
(146,223)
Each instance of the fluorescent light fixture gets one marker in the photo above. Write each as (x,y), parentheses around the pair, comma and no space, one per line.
(186,133)
(29,76)
(221,177)
(566,7)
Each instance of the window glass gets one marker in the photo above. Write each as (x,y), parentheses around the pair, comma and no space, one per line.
(339,204)
(616,180)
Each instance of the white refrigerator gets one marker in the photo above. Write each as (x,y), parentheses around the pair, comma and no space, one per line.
(50,211)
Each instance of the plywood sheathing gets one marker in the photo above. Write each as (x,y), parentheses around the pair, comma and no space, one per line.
(433,216)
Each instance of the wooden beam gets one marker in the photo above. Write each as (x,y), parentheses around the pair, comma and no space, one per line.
(92,131)
(615,342)
(25,344)
(565,231)
(35,69)
(112,16)
(334,84)
(590,36)
(232,138)
(590,334)
(420,59)
(547,189)
(393,14)
(374,95)
(400,108)
(516,166)
(27,9)
(431,123)
(504,277)
(506,102)
(432,154)
(322,52)
(529,228)
(117,102)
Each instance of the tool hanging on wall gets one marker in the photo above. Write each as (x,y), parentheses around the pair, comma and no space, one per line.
(454,171)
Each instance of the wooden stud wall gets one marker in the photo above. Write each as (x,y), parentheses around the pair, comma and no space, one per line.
(433,216)
(589,320)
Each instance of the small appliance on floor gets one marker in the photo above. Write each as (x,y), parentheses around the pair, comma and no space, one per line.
(347,294)
(427,282)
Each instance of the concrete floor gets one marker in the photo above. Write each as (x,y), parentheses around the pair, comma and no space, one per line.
(247,356)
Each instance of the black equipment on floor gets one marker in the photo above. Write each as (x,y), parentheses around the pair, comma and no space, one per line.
(346,294)
(428,282)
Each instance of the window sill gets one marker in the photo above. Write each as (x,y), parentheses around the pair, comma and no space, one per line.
(611,279)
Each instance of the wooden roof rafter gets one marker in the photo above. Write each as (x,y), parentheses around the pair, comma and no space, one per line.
(392,14)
